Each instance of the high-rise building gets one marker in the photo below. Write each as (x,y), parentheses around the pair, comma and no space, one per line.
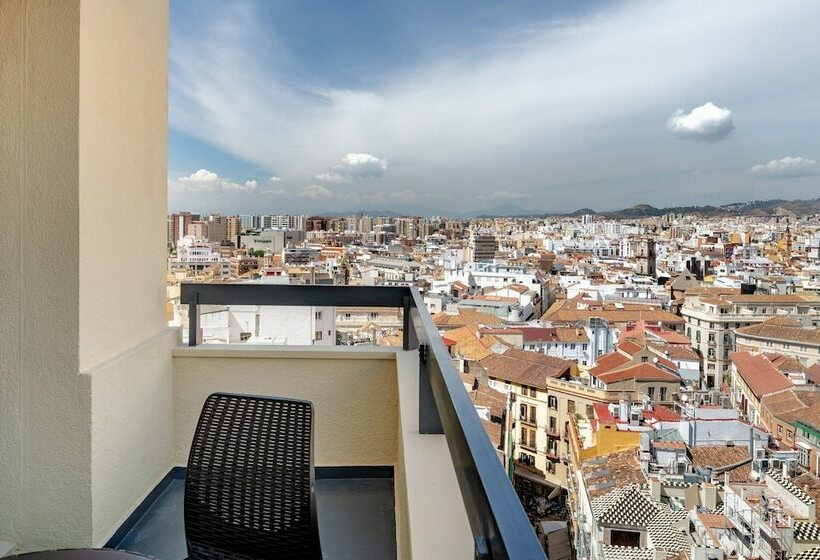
(234,226)
(180,222)
(481,247)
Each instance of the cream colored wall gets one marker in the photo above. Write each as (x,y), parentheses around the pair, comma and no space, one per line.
(123,174)
(353,390)
(83,123)
(125,344)
(133,437)
(45,435)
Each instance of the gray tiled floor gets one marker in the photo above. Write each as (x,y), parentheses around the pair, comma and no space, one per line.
(356,520)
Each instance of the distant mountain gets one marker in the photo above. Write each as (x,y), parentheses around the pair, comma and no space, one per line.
(774,207)
(372,213)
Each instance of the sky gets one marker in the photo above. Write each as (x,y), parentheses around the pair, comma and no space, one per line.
(468,107)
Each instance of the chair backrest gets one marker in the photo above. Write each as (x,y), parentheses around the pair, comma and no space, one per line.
(250,485)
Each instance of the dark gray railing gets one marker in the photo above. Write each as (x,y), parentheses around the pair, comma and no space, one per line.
(500,527)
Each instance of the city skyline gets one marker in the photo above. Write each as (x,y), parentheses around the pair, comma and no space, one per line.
(546,108)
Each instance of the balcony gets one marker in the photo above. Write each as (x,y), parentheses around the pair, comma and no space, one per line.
(552,431)
(419,423)
(404,466)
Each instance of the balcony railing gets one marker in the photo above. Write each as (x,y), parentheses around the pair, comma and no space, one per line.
(498,523)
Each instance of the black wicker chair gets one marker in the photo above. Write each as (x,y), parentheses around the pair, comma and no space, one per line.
(249,488)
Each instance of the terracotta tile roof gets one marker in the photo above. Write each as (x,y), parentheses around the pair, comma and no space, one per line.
(496,401)
(629,346)
(468,346)
(713,520)
(792,403)
(466,317)
(525,368)
(493,432)
(569,334)
(608,362)
(813,373)
(782,328)
(809,483)
(676,351)
(610,314)
(615,470)
(669,444)
(759,374)
(718,456)
(641,371)
(662,413)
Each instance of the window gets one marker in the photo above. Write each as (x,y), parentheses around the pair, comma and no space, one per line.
(590,411)
(804,457)
(318,315)
(651,392)
(625,538)
(572,346)
(663,393)
(527,437)
(571,406)
(552,402)
(317,335)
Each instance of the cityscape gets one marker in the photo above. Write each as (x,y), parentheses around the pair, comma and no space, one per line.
(651,386)
(383,280)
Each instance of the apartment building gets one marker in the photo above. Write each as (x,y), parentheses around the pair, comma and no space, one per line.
(752,378)
(783,335)
(711,322)
(639,372)
(543,396)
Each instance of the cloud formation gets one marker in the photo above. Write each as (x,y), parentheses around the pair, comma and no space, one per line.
(787,167)
(205,181)
(317,192)
(707,122)
(503,195)
(563,111)
(355,166)
(275,179)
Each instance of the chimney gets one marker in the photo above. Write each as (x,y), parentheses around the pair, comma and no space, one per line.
(623,410)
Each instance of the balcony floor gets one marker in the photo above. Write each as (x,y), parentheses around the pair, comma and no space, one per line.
(356,519)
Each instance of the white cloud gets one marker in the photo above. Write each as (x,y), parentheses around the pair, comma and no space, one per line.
(355,166)
(787,167)
(707,122)
(317,192)
(576,104)
(275,179)
(274,192)
(502,195)
(331,177)
(205,181)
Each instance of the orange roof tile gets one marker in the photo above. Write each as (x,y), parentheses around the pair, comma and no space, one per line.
(759,374)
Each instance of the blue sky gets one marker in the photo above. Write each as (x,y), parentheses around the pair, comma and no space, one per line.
(461,107)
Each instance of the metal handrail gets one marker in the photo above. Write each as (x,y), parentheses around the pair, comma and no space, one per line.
(500,527)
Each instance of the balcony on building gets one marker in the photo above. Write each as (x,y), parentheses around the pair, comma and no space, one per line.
(99,397)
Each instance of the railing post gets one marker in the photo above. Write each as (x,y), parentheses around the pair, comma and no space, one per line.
(429,419)
(405,343)
(193,324)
